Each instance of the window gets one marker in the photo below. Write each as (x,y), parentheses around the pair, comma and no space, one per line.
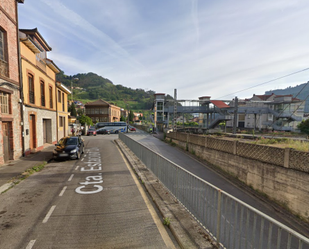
(59,96)
(42,93)
(2,45)
(51,104)
(4,101)
(63,102)
(31,88)
(61,121)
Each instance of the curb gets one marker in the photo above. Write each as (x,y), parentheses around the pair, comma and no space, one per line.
(186,230)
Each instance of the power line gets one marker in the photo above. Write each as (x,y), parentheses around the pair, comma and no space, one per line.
(266,82)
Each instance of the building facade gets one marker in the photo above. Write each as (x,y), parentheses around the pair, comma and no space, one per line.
(274,112)
(62,110)
(39,91)
(102,111)
(11,146)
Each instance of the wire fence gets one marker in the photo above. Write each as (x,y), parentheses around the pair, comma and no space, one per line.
(231,222)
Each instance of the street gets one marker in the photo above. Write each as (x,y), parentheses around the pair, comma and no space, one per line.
(94,202)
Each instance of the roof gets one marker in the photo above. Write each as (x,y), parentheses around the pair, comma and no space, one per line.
(100,102)
(36,36)
(220,104)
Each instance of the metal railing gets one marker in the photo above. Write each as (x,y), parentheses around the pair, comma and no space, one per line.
(231,222)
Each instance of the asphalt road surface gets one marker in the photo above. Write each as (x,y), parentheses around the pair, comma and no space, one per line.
(94,202)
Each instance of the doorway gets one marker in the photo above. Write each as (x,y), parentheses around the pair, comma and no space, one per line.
(7,148)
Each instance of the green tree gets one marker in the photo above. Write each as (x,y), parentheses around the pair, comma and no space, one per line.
(131,115)
(304,126)
(72,109)
(80,112)
(85,120)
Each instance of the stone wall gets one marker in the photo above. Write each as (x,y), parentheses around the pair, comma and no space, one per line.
(282,174)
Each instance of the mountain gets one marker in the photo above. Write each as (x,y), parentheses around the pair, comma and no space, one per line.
(89,87)
(300,91)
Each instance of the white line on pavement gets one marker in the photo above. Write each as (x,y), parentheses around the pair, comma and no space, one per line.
(76,167)
(71,177)
(62,192)
(30,245)
(49,214)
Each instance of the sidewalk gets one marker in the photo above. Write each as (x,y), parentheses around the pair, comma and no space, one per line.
(15,168)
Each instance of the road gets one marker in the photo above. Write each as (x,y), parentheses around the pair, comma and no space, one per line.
(94,202)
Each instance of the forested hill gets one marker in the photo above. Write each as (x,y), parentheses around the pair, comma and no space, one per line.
(90,87)
(300,91)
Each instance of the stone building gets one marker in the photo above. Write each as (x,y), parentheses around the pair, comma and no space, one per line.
(41,96)
(102,111)
(11,146)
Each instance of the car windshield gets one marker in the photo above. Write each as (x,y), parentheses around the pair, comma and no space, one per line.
(91,129)
(68,141)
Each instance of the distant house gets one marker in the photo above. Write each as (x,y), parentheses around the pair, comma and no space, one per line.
(11,147)
(102,111)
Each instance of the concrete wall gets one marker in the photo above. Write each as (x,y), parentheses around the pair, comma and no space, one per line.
(282,183)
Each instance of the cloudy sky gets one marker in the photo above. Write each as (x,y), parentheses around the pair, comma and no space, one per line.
(217,48)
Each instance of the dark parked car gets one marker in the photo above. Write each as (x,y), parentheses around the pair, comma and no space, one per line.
(103,131)
(91,131)
(70,147)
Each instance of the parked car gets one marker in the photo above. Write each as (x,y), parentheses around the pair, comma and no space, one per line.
(131,128)
(91,131)
(70,147)
(103,131)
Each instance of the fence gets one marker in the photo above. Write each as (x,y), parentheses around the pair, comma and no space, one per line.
(231,222)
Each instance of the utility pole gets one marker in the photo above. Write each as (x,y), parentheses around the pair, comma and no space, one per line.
(175,110)
(235,115)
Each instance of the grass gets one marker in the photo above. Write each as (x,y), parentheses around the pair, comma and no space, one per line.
(284,143)
(166,221)
(28,172)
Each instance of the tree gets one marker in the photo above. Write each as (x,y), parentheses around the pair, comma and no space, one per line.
(304,126)
(72,109)
(131,115)
(80,112)
(85,120)
(122,118)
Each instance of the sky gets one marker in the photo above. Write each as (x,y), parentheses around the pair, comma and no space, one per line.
(217,48)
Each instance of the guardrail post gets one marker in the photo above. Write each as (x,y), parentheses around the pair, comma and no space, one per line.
(219,218)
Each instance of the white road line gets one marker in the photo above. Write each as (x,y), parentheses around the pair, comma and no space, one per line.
(71,177)
(76,167)
(49,214)
(83,159)
(30,245)
(62,192)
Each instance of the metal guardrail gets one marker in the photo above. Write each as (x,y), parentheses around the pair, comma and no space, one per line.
(231,222)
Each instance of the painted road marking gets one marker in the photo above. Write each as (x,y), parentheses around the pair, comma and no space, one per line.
(49,214)
(76,167)
(62,192)
(92,165)
(71,177)
(30,245)
(166,238)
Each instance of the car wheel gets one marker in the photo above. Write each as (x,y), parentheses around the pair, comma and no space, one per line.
(116,132)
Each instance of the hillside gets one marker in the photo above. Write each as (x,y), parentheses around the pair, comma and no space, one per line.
(299,91)
(90,87)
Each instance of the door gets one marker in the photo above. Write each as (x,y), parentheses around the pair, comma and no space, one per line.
(6,141)
(32,132)
(44,131)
